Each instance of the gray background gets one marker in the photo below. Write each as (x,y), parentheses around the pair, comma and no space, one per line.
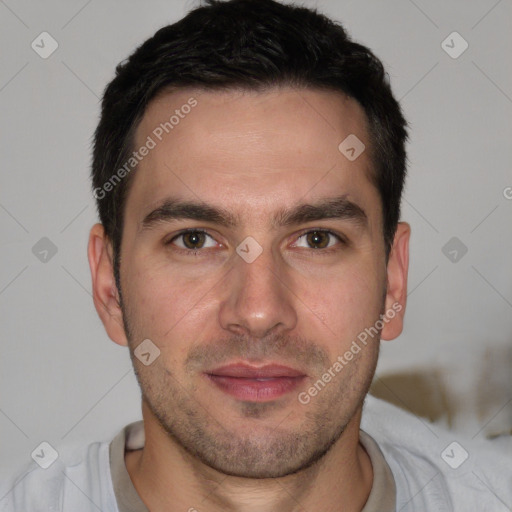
(63,381)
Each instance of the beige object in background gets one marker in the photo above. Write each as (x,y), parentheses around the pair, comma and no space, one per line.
(484,408)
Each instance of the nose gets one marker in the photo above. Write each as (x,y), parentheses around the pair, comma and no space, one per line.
(258,298)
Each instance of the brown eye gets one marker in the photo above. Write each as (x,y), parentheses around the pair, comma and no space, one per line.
(320,239)
(191,240)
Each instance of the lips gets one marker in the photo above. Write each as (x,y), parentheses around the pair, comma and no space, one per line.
(255,384)
(253,372)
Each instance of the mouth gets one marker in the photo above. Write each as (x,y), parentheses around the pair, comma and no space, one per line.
(256,384)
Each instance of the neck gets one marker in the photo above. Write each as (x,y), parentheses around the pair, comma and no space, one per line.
(169,478)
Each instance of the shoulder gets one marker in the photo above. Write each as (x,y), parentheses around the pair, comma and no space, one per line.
(79,479)
(434,467)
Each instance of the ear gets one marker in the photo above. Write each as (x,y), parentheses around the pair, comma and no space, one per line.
(396,296)
(104,290)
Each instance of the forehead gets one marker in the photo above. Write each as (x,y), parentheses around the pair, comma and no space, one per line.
(240,148)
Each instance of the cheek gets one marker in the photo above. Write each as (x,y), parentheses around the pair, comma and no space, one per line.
(146,296)
(349,300)
(164,305)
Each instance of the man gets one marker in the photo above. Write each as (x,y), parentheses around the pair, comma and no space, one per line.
(248,168)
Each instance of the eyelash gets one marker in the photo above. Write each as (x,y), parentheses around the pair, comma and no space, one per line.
(196,252)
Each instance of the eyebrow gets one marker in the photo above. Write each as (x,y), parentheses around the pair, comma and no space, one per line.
(340,208)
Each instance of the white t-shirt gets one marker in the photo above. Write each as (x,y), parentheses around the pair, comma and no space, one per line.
(431,470)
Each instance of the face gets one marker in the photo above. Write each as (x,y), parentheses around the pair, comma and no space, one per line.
(255,303)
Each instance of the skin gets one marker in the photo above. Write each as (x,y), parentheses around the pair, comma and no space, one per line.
(251,153)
